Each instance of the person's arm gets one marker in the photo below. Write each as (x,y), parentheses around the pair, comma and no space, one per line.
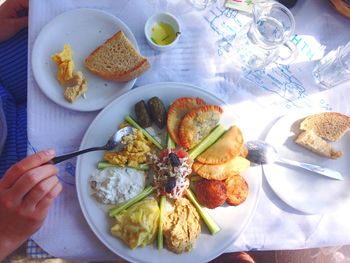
(13,18)
(26,192)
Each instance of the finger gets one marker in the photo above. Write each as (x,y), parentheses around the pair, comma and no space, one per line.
(17,170)
(22,3)
(38,192)
(18,24)
(47,200)
(29,180)
(11,7)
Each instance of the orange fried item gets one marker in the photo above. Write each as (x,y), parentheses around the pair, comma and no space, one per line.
(177,110)
(211,193)
(244,151)
(197,124)
(237,190)
(224,149)
(221,171)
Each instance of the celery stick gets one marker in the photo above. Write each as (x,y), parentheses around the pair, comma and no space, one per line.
(212,226)
(161,217)
(146,133)
(207,141)
(103,165)
(146,192)
(170,143)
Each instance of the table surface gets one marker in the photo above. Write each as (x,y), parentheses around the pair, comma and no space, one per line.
(202,58)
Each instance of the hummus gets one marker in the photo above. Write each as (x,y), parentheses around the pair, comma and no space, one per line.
(182,226)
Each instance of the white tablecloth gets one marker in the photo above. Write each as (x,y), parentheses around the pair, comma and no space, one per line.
(202,58)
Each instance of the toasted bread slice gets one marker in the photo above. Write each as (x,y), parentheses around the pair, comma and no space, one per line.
(197,124)
(221,171)
(327,125)
(117,59)
(312,142)
(224,149)
(177,110)
(237,190)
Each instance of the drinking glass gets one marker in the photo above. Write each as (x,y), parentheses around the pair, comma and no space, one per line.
(265,39)
(334,68)
(201,4)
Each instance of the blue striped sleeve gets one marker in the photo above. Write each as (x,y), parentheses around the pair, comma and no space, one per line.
(13,66)
(13,96)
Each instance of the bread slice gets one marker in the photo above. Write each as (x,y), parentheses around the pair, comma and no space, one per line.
(310,140)
(328,125)
(117,59)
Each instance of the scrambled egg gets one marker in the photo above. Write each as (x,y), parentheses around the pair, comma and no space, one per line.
(64,61)
(138,225)
(134,152)
(182,226)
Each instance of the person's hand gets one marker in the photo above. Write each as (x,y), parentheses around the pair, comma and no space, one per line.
(26,193)
(13,18)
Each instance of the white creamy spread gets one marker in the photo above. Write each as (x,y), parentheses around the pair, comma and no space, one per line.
(115,185)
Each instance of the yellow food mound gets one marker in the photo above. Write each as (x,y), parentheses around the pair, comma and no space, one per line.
(64,61)
(134,152)
(137,226)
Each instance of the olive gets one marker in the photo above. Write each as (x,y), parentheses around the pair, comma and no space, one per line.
(174,160)
(170,184)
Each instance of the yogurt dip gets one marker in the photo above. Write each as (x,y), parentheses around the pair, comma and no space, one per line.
(116,185)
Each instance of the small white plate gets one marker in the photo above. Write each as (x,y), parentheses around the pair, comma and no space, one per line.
(232,220)
(84,30)
(305,191)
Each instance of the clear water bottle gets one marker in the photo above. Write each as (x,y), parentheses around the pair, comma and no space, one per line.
(334,68)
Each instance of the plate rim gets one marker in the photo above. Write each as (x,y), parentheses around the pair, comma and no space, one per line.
(295,115)
(79,164)
(128,85)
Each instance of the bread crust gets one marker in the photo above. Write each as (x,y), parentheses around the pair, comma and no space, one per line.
(127,75)
(328,125)
(130,74)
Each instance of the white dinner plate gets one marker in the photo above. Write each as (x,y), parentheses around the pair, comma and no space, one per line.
(232,220)
(303,190)
(84,30)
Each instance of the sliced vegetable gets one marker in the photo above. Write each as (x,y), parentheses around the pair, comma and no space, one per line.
(103,165)
(207,141)
(146,192)
(146,133)
(161,217)
(212,226)
(170,143)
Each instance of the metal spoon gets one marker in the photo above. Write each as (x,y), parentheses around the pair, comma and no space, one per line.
(112,143)
(260,152)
